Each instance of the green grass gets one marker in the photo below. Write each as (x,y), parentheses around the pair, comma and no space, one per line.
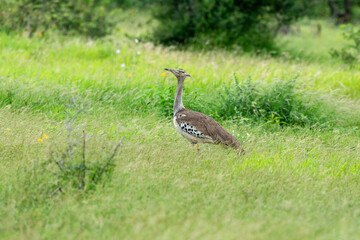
(291,184)
(294,182)
(304,42)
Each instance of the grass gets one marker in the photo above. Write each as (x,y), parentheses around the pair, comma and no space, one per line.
(295,182)
(291,184)
(306,43)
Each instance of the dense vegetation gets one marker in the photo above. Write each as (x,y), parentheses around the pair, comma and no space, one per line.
(88,148)
(86,17)
(249,24)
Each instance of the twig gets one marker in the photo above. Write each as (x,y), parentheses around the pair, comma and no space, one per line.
(61,160)
(68,128)
(108,162)
(84,141)
(59,189)
(55,174)
(77,114)
(70,121)
(114,153)
(83,169)
(52,158)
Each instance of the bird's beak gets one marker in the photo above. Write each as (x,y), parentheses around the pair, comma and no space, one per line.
(169,69)
(188,75)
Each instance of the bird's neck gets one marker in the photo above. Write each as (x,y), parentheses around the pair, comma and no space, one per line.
(178,105)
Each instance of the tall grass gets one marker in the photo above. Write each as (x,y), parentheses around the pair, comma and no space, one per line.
(280,102)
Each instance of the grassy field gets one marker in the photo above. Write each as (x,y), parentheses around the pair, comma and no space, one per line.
(294,182)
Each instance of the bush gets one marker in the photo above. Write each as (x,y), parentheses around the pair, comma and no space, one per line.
(72,164)
(252,24)
(84,17)
(349,54)
(277,103)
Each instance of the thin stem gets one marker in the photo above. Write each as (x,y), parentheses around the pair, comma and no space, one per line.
(83,167)
(68,129)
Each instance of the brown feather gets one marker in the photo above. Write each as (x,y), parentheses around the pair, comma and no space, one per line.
(208,127)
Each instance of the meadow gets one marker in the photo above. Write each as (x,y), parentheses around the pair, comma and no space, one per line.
(299,179)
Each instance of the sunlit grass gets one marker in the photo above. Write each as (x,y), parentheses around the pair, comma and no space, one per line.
(307,41)
(85,63)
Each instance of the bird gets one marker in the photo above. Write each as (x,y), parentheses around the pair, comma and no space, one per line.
(197,127)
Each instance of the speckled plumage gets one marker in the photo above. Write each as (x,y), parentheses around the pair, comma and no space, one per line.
(197,127)
(190,132)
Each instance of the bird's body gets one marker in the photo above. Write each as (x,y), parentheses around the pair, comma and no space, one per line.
(183,121)
(197,127)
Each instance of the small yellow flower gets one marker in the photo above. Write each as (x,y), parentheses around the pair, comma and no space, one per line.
(163,74)
(45,136)
(129,75)
(40,140)
(40,35)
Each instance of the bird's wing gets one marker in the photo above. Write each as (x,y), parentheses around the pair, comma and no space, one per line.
(208,127)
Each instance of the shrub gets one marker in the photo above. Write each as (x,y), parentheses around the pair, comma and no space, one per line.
(277,103)
(71,164)
(350,54)
(86,17)
(252,24)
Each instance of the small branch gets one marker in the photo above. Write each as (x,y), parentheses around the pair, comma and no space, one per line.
(59,189)
(108,162)
(55,174)
(77,114)
(83,167)
(84,142)
(68,129)
(114,153)
(61,160)
(58,164)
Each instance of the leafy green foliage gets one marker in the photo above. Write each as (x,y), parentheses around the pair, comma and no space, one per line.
(350,54)
(86,17)
(252,24)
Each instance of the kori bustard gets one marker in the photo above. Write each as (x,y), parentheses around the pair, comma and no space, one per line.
(197,127)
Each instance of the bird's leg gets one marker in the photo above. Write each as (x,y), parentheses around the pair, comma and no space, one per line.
(196,145)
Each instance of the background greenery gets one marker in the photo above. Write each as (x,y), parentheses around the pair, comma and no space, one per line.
(296,113)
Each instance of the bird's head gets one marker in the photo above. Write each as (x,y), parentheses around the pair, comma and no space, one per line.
(179,73)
